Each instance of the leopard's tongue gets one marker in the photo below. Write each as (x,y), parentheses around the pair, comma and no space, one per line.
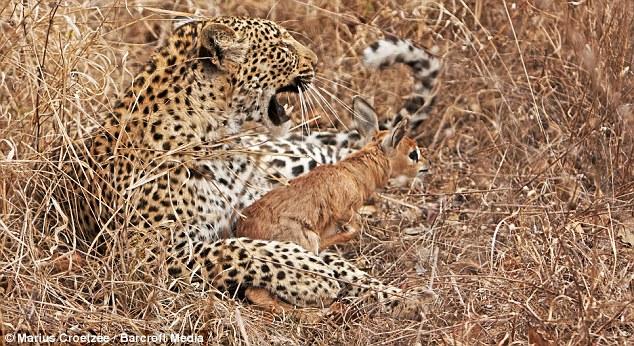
(276,112)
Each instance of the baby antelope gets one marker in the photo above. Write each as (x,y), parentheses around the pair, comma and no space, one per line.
(308,210)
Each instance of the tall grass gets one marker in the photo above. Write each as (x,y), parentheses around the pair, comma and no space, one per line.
(524,229)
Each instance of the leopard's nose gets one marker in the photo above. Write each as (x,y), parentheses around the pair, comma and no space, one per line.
(310,57)
(313,59)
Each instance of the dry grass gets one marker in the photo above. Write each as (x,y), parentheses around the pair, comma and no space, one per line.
(525,229)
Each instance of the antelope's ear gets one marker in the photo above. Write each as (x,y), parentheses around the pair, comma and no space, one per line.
(391,141)
(365,117)
(220,44)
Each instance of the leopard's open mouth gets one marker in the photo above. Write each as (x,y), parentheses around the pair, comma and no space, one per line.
(276,112)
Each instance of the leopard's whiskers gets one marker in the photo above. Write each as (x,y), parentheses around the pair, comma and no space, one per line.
(302,108)
(338,100)
(311,92)
(311,105)
(323,78)
(344,104)
(327,105)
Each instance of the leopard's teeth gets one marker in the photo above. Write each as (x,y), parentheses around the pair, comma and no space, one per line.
(288,109)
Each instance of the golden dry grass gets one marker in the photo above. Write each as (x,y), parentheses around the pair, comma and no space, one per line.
(525,228)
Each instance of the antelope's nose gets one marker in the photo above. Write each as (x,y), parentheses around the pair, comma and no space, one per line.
(425,168)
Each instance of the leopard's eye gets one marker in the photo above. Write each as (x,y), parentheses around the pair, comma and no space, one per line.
(414,155)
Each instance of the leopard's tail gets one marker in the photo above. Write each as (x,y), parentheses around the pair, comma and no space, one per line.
(425,68)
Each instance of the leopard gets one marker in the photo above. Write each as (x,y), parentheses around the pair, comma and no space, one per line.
(163,165)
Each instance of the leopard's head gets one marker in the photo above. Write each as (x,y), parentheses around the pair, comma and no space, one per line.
(263,60)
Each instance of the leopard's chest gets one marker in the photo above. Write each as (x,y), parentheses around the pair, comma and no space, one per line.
(218,189)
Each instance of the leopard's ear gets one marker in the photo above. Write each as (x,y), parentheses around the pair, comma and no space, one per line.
(180,21)
(221,45)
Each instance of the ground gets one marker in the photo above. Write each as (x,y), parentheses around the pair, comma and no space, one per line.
(525,227)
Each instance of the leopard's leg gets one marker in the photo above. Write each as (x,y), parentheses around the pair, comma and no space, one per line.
(358,285)
(284,269)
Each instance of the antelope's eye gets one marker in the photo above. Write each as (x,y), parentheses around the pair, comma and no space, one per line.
(414,155)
